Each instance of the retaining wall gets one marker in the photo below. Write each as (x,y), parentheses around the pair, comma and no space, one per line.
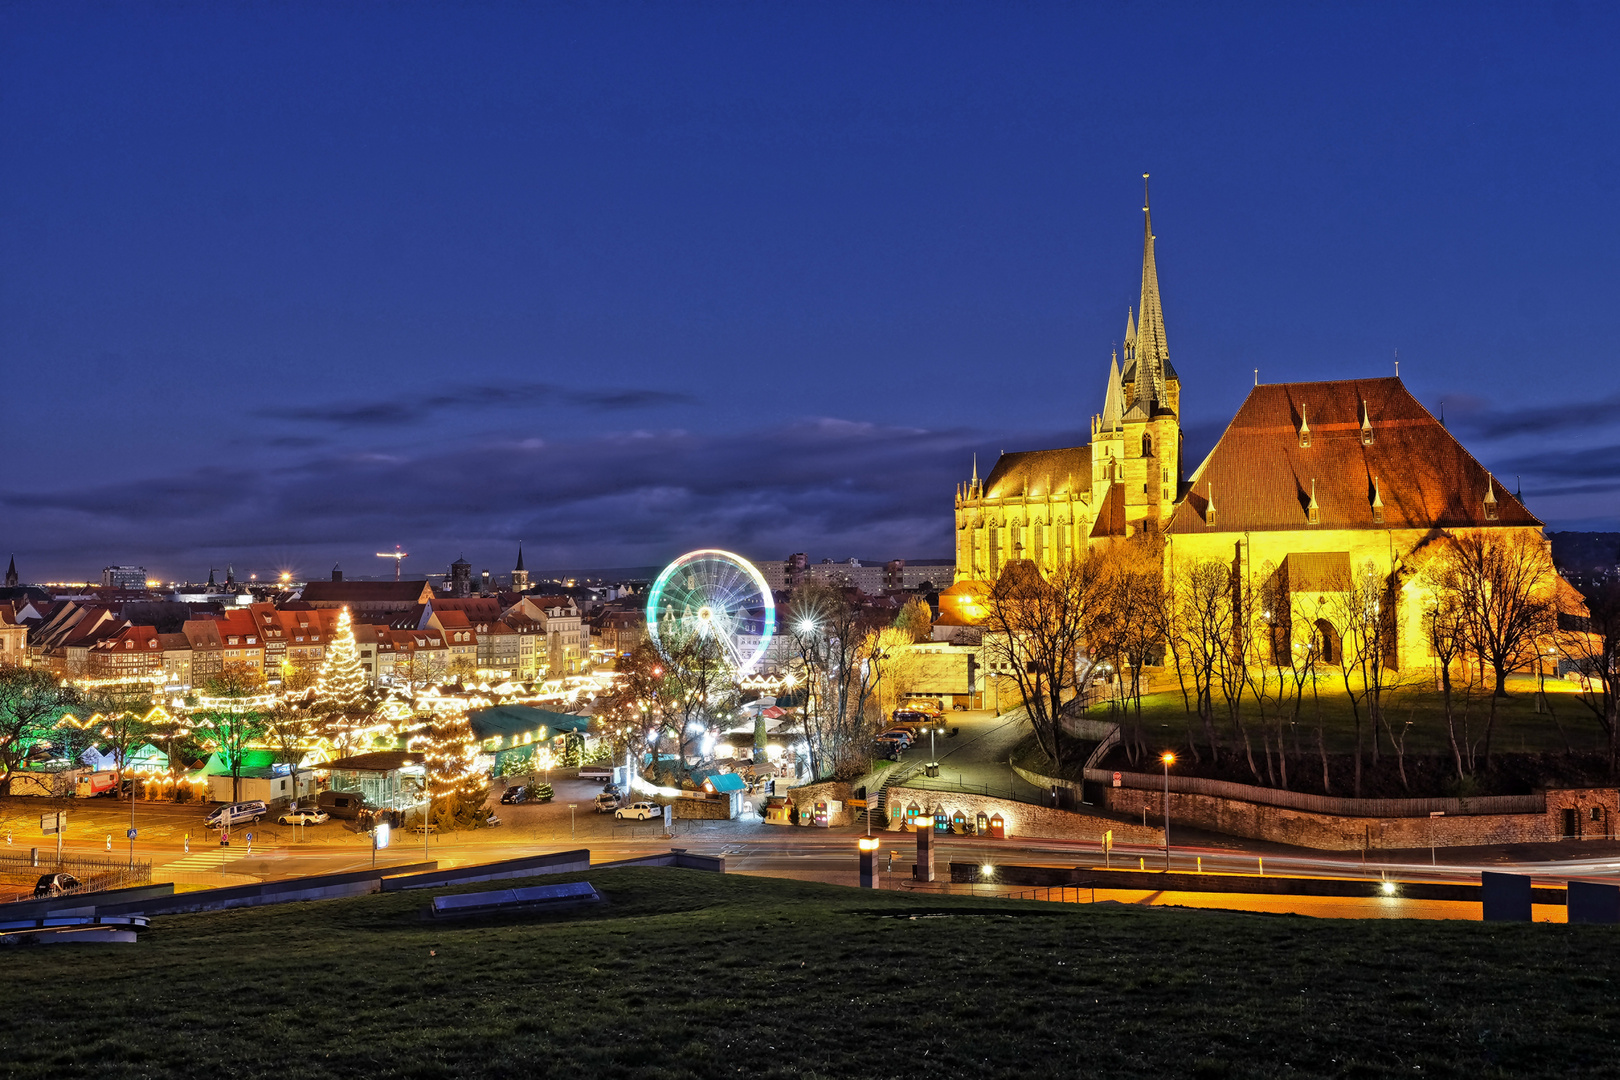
(1023,819)
(558,862)
(806,796)
(322,887)
(702,809)
(1331,832)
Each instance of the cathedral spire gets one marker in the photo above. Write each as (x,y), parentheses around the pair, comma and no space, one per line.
(1130,333)
(1152,351)
(519,565)
(11,574)
(1113,397)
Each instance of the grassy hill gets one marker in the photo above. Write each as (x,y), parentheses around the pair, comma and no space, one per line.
(694,975)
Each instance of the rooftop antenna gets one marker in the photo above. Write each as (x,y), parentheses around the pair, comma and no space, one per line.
(1442,412)
(1257,376)
(1397,363)
(397,555)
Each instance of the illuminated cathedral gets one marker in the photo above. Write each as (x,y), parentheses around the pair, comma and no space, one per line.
(1307,481)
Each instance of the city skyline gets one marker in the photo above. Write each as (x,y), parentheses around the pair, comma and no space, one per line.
(285,288)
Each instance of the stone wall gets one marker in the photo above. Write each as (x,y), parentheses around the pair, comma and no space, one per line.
(806,796)
(1334,833)
(688,809)
(1025,820)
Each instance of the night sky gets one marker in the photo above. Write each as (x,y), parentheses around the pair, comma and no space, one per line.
(284,285)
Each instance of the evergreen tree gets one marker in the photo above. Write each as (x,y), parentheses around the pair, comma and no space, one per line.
(342,694)
(458,787)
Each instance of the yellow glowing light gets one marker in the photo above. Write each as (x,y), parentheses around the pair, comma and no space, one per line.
(869,843)
(1389,888)
(987,870)
(1168,758)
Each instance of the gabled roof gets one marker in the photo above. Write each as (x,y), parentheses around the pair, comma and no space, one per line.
(360,592)
(1111,513)
(1040,473)
(1263,478)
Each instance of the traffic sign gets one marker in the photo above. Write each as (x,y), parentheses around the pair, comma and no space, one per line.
(51,823)
(129,834)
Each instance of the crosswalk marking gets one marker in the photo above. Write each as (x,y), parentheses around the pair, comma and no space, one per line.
(208,860)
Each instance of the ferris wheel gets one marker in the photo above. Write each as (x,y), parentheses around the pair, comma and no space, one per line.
(716,596)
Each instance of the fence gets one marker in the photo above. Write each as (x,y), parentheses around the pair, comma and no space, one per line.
(1016,788)
(96,873)
(1535,803)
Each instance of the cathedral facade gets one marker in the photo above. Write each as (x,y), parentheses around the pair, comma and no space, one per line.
(1310,482)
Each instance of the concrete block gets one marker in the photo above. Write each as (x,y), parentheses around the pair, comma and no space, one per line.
(1594,902)
(1505,897)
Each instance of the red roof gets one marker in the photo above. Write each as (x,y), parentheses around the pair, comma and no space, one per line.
(1263,478)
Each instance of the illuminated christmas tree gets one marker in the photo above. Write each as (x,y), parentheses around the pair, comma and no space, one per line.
(458,787)
(342,694)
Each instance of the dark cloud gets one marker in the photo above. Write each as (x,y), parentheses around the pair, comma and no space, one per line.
(1490,422)
(832,487)
(408,409)
(1600,464)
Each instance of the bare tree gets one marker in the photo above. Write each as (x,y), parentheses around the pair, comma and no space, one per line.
(1505,586)
(1035,629)
(1590,639)
(1445,628)
(839,666)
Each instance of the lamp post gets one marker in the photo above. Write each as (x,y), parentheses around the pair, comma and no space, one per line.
(1169,759)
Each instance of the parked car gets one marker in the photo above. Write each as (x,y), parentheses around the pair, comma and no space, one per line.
(55,885)
(304,815)
(596,772)
(612,789)
(639,811)
(606,804)
(514,795)
(236,814)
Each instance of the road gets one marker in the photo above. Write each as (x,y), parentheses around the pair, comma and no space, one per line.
(750,845)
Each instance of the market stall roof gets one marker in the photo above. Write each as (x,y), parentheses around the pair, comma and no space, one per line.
(520,719)
(723,782)
(380,761)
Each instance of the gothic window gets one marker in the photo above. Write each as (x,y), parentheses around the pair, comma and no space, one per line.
(1147,445)
(1040,543)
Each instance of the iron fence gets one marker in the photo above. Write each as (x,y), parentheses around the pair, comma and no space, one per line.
(96,873)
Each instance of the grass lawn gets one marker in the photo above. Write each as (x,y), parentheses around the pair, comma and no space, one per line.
(695,975)
(1563,747)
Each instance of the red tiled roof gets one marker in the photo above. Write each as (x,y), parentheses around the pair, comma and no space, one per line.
(1111,513)
(1262,476)
(1040,473)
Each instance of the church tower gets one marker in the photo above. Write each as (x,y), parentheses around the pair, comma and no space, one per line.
(1136,441)
(520,576)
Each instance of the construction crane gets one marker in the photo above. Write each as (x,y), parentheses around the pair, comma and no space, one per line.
(397,555)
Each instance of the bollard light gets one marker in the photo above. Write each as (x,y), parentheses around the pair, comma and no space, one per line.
(987,870)
(1389,888)
(869,843)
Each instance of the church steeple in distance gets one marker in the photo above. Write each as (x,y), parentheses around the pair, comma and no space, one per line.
(520,575)
(1152,350)
(11,574)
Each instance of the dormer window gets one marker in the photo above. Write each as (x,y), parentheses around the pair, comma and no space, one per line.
(1366,424)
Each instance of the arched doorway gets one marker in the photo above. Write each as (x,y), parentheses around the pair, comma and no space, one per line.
(1325,642)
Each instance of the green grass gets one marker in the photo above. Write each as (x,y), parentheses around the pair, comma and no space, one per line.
(702,976)
(1519,728)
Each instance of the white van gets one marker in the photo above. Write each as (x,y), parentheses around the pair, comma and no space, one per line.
(235,814)
(600,773)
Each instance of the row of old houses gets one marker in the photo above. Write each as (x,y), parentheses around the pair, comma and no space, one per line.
(404,632)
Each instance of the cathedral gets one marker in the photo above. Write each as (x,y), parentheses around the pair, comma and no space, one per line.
(1307,481)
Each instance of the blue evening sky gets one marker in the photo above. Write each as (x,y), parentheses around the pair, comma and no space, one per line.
(284,284)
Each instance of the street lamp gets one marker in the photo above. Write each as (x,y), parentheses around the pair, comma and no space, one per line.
(1169,759)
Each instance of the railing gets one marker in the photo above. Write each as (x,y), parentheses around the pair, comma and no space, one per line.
(96,873)
(1535,803)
